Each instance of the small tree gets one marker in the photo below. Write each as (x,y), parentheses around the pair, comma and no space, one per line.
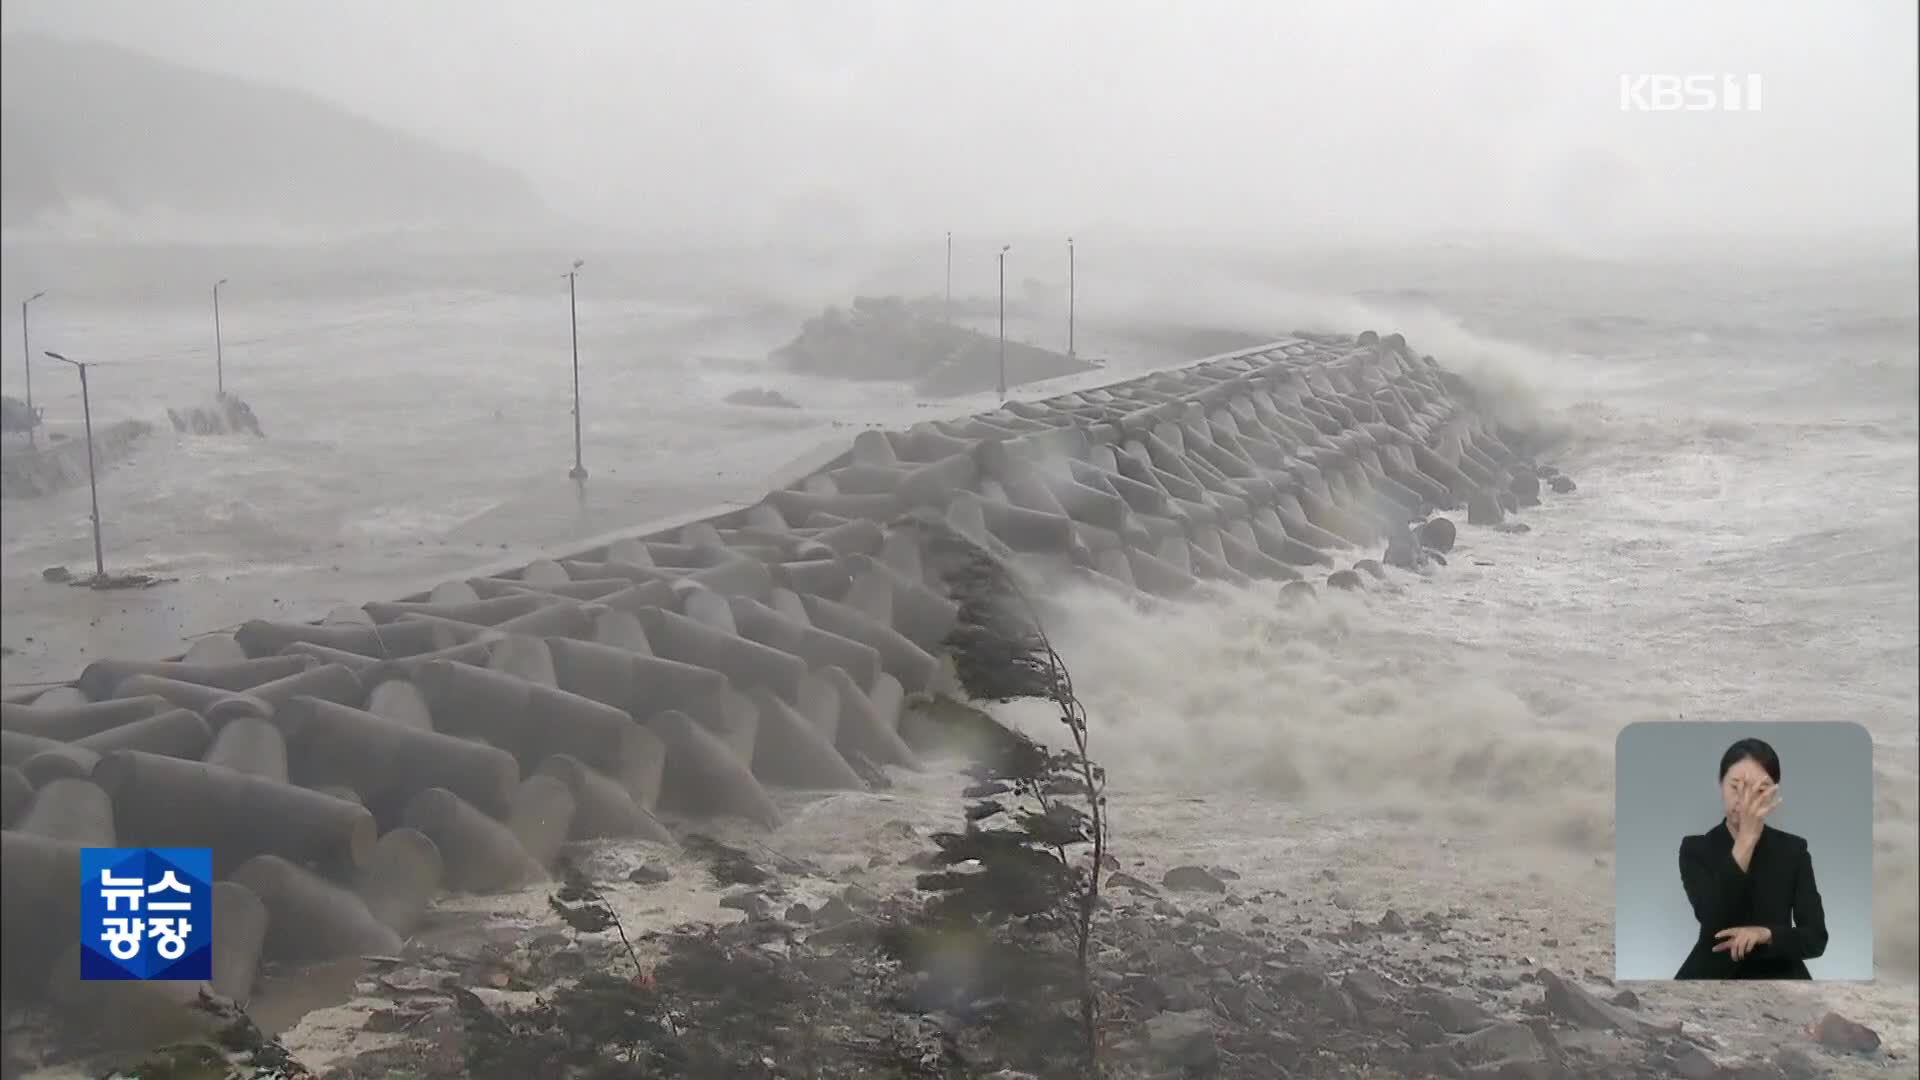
(1015,865)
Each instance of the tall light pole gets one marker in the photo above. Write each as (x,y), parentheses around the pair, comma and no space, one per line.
(93,484)
(219,361)
(1004,248)
(1069,297)
(947,311)
(579,470)
(26,359)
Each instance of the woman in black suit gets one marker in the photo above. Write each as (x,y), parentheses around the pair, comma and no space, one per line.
(1751,887)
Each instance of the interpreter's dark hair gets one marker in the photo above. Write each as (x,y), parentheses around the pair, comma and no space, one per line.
(1759,751)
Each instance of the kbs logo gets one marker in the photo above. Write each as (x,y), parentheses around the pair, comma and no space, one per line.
(1689,93)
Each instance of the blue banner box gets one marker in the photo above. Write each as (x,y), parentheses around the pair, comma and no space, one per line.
(146,914)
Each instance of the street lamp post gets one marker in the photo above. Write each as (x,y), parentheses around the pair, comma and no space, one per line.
(1004,248)
(947,311)
(579,470)
(26,360)
(93,484)
(1069,297)
(219,361)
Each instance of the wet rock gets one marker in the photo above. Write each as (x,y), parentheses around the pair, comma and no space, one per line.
(799,913)
(1484,509)
(58,575)
(1345,579)
(648,874)
(1836,1032)
(1131,883)
(1455,1015)
(1796,1064)
(1498,1044)
(1343,900)
(1626,999)
(1192,879)
(752,903)
(1438,534)
(1513,527)
(1296,592)
(1577,1006)
(1183,1040)
(1525,488)
(834,912)
(1690,1062)
(1562,485)
(1392,923)
(1369,989)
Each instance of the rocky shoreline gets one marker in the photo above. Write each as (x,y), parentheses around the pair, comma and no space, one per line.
(795,971)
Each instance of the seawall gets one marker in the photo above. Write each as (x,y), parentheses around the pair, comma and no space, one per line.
(52,464)
(347,772)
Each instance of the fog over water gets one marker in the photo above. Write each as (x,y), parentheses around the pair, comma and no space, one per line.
(1236,118)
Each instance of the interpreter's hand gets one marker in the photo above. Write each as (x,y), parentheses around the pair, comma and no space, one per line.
(1764,799)
(1741,940)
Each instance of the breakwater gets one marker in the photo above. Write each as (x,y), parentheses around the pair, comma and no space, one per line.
(347,772)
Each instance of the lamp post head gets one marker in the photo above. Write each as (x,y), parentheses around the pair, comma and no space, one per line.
(35,296)
(63,359)
(578,263)
(219,283)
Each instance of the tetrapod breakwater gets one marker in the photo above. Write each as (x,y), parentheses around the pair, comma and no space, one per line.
(348,772)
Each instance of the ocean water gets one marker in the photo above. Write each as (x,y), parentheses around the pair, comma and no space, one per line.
(1742,546)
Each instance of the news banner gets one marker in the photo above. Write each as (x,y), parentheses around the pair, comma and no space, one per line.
(146,914)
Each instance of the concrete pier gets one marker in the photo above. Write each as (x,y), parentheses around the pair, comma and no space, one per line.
(457,737)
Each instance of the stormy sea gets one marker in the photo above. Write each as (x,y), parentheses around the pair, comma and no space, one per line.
(1741,548)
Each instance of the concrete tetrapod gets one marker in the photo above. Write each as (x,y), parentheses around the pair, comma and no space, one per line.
(100,679)
(401,878)
(602,807)
(744,662)
(329,682)
(250,745)
(39,907)
(169,802)
(792,752)
(16,792)
(176,733)
(814,646)
(145,1013)
(310,919)
(389,763)
(542,817)
(532,722)
(863,729)
(261,637)
(200,699)
(707,777)
(73,811)
(70,722)
(479,854)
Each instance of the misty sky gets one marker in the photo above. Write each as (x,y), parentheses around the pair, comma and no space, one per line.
(1051,114)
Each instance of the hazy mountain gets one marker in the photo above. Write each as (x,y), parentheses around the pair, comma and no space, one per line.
(90,130)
